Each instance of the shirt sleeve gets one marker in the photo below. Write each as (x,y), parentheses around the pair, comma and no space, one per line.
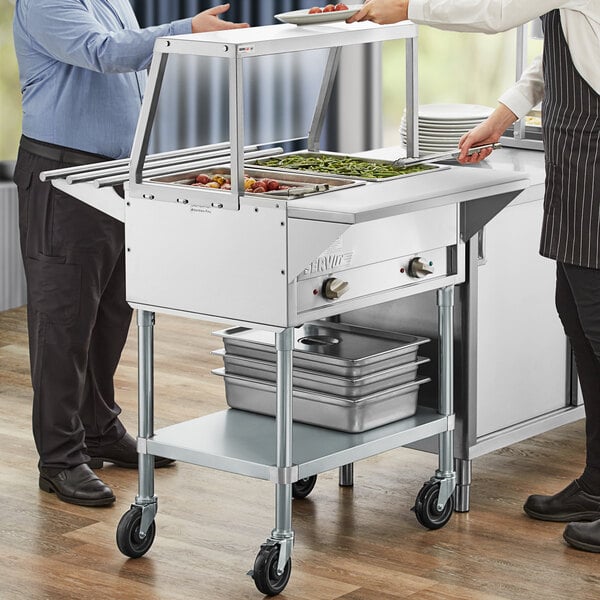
(484,16)
(68,32)
(527,92)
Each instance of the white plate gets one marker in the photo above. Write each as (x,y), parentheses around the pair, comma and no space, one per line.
(433,137)
(301,17)
(453,112)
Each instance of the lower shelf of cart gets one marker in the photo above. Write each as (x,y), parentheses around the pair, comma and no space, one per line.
(245,443)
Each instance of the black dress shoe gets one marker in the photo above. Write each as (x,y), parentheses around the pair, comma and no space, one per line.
(122,454)
(571,504)
(79,485)
(583,536)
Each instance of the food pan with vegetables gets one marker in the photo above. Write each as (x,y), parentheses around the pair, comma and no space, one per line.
(259,181)
(342,165)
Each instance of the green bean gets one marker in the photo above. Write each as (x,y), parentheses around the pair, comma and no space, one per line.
(342,165)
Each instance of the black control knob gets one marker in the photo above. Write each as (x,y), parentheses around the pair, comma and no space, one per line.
(419,267)
(333,288)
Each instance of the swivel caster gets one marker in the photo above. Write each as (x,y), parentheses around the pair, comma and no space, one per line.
(426,506)
(303,487)
(129,541)
(265,575)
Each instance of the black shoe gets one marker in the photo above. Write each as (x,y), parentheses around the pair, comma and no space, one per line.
(122,454)
(583,536)
(571,504)
(79,485)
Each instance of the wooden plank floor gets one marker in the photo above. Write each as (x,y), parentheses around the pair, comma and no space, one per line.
(351,544)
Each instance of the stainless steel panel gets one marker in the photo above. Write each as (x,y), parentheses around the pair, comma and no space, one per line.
(331,348)
(512,385)
(333,412)
(305,379)
(258,41)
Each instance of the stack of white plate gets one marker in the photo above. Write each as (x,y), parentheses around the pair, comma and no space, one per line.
(442,125)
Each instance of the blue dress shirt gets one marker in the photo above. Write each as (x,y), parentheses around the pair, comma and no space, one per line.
(82,66)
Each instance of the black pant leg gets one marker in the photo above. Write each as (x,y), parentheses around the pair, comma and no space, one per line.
(578,305)
(100,410)
(70,251)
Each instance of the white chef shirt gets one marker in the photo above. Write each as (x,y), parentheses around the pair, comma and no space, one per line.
(580,21)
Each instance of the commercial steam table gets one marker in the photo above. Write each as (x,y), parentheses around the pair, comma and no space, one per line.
(268,263)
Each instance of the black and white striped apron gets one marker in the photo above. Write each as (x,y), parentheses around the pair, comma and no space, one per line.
(571,224)
(571,129)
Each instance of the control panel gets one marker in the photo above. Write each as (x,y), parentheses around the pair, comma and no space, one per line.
(348,283)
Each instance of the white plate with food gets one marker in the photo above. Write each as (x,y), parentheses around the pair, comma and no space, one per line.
(327,14)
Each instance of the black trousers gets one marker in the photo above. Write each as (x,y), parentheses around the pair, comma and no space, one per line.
(78,318)
(578,305)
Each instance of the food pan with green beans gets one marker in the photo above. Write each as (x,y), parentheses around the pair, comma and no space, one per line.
(342,165)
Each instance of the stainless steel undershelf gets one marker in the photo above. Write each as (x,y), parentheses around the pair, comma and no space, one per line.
(244,443)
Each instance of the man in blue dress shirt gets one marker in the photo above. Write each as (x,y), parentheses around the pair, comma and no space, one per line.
(82,66)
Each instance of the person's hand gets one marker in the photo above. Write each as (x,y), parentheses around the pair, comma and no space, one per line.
(382,12)
(208,20)
(484,133)
(487,132)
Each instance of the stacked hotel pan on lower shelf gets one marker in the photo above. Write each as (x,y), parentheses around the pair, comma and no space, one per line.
(345,377)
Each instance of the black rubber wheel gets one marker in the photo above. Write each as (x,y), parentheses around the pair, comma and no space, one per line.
(426,509)
(303,487)
(128,534)
(265,574)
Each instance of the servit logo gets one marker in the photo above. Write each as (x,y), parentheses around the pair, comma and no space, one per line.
(329,262)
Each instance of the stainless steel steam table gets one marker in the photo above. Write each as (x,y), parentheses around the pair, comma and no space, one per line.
(264,262)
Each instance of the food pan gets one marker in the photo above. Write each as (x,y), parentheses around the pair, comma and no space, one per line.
(322,382)
(298,184)
(327,347)
(343,165)
(325,410)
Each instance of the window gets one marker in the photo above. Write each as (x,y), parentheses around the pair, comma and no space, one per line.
(470,68)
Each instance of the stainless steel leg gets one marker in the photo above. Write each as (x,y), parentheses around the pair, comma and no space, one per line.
(146,498)
(445,472)
(462,494)
(347,475)
(283,533)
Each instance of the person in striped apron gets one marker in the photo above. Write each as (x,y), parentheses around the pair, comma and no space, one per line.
(567,81)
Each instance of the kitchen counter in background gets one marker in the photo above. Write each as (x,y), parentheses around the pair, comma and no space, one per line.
(514,375)
(12,276)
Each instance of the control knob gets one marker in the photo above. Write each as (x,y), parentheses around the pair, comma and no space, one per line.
(333,288)
(420,267)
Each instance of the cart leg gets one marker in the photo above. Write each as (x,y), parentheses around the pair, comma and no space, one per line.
(283,533)
(445,472)
(273,563)
(347,475)
(145,498)
(435,501)
(136,529)
(463,484)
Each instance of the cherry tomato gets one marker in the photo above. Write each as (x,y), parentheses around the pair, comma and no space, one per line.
(272,184)
(314,10)
(329,8)
(202,178)
(341,6)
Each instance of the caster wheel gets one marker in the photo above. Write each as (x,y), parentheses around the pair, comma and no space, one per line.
(303,487)
(426,509)
(128,534)
(265,574)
